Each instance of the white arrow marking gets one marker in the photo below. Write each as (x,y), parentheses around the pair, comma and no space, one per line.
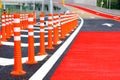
(108,24)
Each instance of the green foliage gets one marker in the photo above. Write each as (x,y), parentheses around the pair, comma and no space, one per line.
(115,4)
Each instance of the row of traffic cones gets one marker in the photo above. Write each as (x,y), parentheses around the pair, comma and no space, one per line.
(18,70)
(69,22)
(66,22)
(7,24)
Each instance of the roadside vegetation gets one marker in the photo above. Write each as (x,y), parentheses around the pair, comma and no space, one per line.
(109,4)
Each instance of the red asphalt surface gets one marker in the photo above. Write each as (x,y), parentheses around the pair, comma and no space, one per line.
(92,56)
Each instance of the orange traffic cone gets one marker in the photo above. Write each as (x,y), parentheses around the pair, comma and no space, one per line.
(21,22)
(0,39)
(26,20)
(55,30)
(76,22)
(34,15)
(42,35)
(68,24)
(50,45)
(57,23)
(65,28)
(62,26)
(31,59)
(17,48)
(7,27)
(10,25)
(3,32)
(12,17)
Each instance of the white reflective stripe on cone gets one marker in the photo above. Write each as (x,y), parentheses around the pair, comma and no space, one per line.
(50,28)
(3,20)
(41,30)
(50,22)
(41,18)
(41,24)
(30,19)
(17,29)
(3,24)
(17,38)
(30,26)
(50,17)
(30,33)
(3,16)
(17,20)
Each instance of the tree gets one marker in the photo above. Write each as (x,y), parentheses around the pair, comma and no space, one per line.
(118,4)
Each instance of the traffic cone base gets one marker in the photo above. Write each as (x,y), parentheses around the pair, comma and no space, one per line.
(62,37)
(3,40)
(50,48)
(55,44)
(31,62)
(42,53)
(0,43)
(18,72)
(8,37)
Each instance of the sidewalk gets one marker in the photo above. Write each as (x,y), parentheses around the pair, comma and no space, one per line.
(108,11)
(96,12)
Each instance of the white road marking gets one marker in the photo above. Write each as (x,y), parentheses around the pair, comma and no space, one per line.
(44,69)
(24,44)
(108,24)
(6,61)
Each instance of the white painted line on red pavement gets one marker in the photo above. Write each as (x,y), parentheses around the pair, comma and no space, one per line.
(44,69)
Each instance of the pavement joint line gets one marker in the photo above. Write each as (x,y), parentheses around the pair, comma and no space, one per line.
(44,69)
(7,61)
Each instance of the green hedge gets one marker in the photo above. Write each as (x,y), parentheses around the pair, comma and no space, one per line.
(115,4)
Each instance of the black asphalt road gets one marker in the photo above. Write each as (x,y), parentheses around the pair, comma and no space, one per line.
(100,25)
